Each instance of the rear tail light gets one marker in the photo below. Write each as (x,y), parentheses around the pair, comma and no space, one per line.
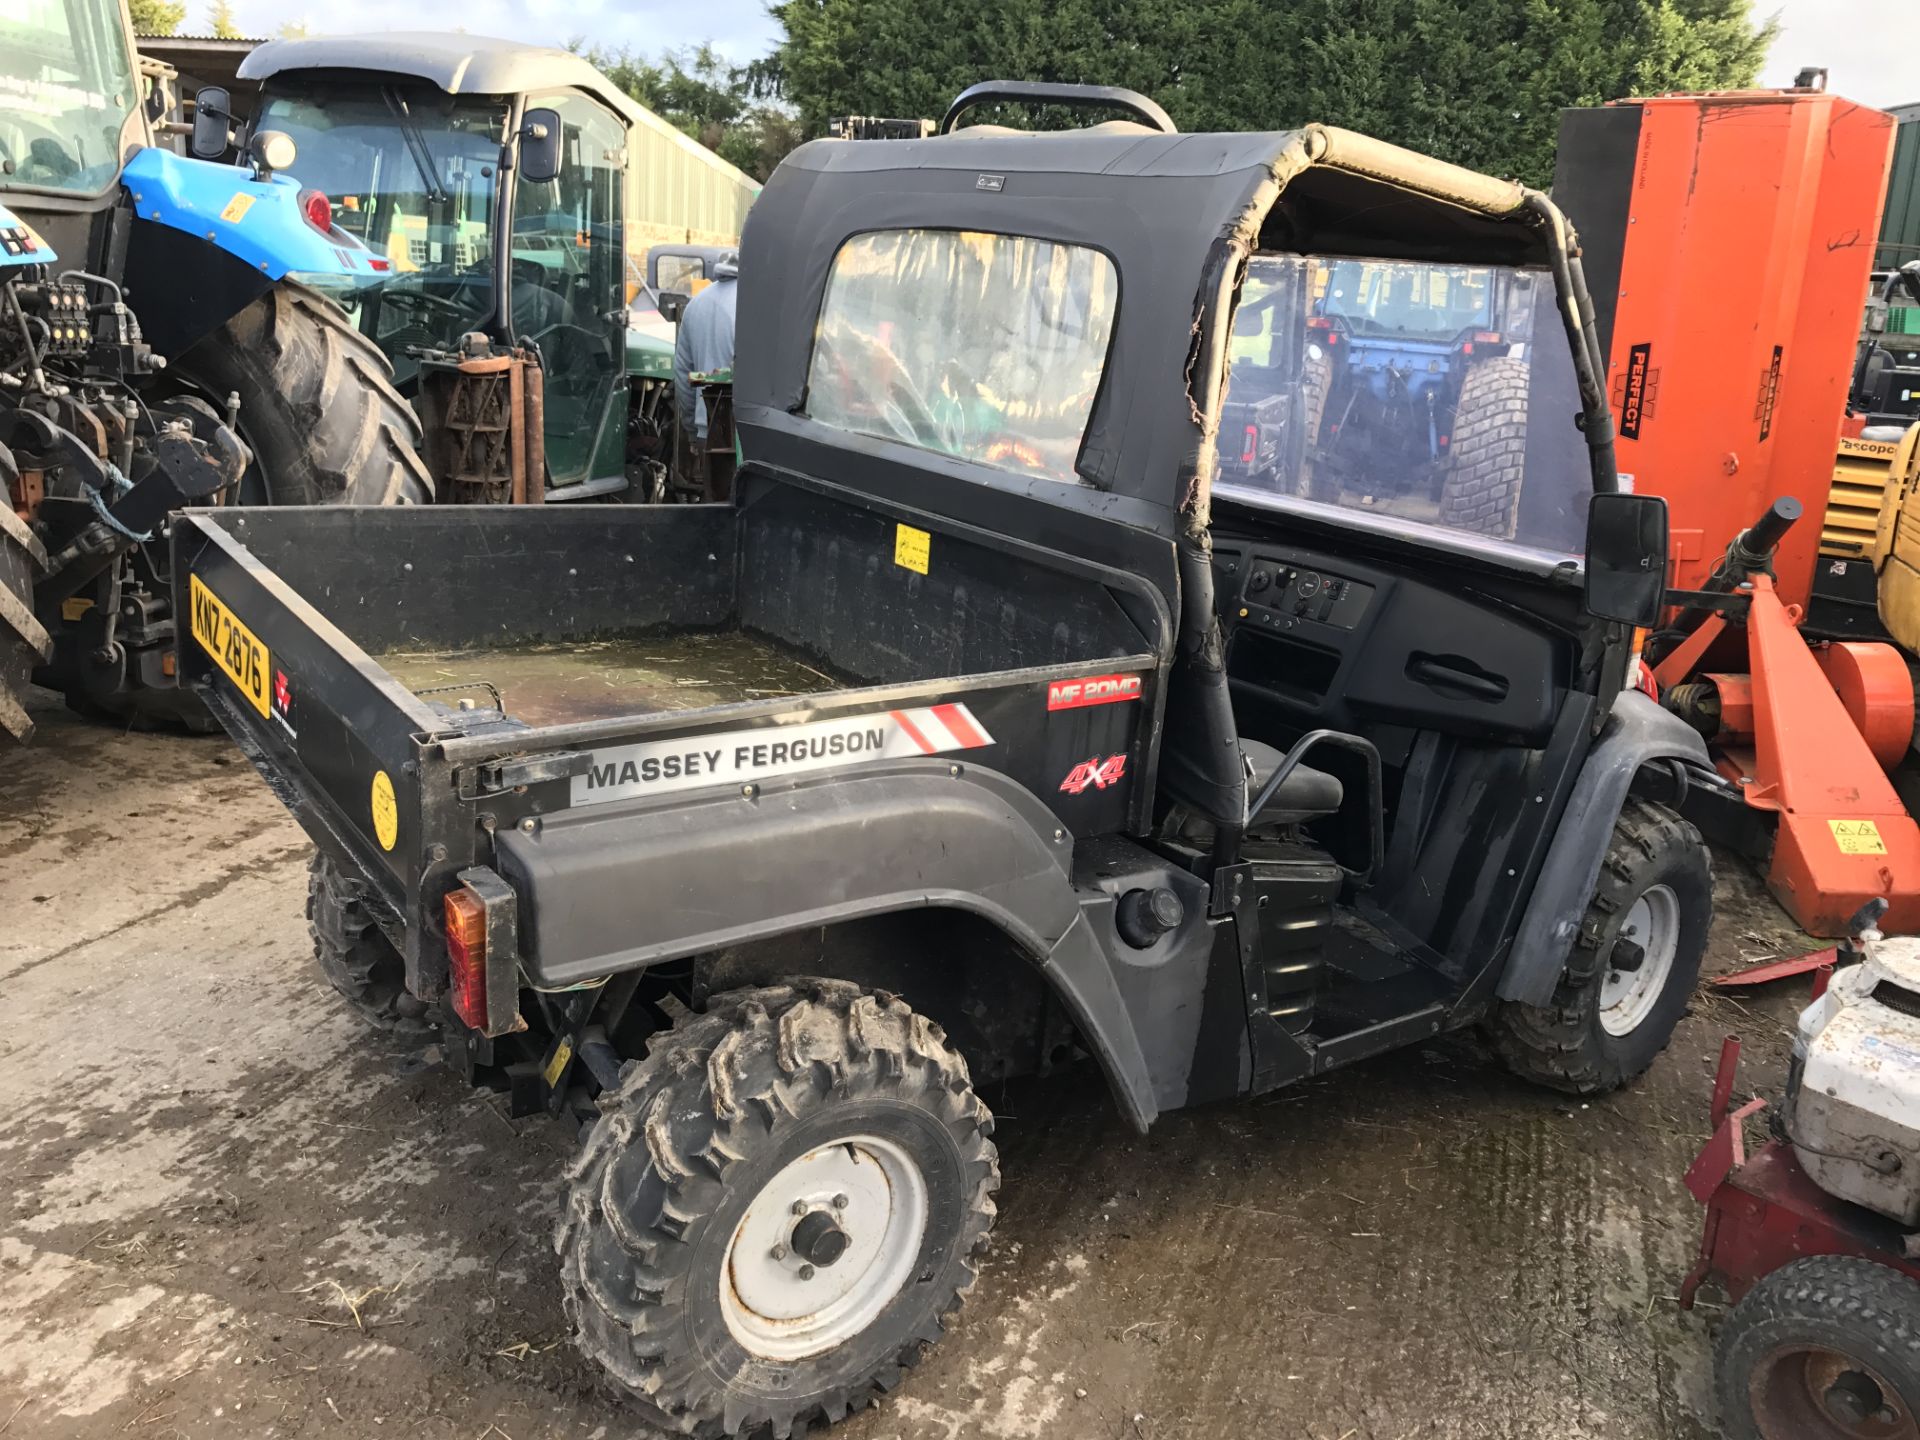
(466,916)
(318,209)
(1253,444)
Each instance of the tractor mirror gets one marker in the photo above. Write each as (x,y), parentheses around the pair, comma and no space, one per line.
(1627,558)
(672,304)
(540,146)
(212,123)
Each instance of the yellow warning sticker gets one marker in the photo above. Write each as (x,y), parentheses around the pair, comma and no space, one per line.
(911,549)
(237,207)
(1857,837)
(562,1053)
(386,811)
(74,606)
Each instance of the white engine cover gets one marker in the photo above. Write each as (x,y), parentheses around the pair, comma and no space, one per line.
(1853,1101)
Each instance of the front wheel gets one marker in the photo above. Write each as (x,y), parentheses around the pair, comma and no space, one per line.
(1635,962)
(777,1210)
(1827,1348)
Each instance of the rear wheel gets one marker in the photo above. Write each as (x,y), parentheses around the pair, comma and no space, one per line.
(317,404)
(1635,962)
(777,1210)
(1488,450)
(24,642)
(355,954)
(1827,1348)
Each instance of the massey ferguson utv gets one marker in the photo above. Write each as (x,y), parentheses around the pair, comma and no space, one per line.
(987,726)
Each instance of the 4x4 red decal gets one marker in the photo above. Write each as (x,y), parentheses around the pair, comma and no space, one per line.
(1096,773)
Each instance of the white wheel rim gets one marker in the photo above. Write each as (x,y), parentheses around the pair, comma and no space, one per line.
(779,1306)
(1628,997)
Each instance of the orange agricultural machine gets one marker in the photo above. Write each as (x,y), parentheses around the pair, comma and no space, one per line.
(1728,240)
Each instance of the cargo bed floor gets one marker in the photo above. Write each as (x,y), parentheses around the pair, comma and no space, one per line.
(551,684)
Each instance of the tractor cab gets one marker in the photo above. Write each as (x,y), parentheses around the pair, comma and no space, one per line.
(405,139)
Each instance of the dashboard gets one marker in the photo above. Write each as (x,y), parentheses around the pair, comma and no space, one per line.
(1315,641)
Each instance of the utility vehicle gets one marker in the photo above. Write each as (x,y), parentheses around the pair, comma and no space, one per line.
(971,736)
(410,134)
(161,343)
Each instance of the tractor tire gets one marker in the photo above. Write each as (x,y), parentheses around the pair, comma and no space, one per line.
(317,404)
(1635,962)
(1826,1348)
(1488,450)
(356,956)
(24,642)
(703,1258)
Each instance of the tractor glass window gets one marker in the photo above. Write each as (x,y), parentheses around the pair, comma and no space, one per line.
(1442,395)
(986,347)
(66,90)
(411,172)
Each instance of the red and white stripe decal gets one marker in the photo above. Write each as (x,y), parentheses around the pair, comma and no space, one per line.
(939,728)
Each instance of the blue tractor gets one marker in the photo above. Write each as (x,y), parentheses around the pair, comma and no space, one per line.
(1393,386)
(159,347)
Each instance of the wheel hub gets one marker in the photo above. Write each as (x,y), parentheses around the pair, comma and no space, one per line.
(823,1248)
(1809,1392)
(1640,960)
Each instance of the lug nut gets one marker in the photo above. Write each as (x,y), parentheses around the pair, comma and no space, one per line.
(779,1252)
(839,1202)
(806,1272)
(799,1207)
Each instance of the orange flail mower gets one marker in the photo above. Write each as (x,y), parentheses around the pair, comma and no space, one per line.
(1737,232)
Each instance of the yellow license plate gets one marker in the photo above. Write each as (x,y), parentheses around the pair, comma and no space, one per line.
(234,648)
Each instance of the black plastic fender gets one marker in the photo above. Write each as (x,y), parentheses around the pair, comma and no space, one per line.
(614,887)
(1637,733)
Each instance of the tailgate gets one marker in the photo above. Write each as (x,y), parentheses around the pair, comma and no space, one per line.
(332,733)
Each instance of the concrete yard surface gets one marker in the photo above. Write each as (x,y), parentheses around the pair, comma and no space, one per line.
(228,1211)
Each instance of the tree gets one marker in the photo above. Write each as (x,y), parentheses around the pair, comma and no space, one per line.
(718,104)
(1479,82)
(221,22)
(157,17)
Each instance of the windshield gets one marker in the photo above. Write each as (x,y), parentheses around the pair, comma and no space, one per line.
(66,89)
(1424,393)
(411,171)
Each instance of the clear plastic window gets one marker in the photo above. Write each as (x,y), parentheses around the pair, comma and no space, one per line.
(987,347)
(1443,395)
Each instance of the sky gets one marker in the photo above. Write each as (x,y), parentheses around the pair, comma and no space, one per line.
(1862,43)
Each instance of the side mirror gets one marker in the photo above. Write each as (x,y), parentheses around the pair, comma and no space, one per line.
(1627,558)
(540,133)
(212,123)
(671,304)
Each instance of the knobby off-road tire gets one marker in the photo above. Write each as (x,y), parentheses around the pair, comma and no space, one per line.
(356,956)
(681,1213)
(317,403)
(24,642)
(1827,1348)
(1606,1021)
(1488,450)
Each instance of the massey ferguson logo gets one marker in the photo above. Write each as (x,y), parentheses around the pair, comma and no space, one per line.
(1092,690)
(1095,774)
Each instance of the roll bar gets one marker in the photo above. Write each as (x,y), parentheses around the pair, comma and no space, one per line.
(1080,97)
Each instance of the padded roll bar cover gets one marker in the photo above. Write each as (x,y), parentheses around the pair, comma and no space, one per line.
(1377,160)
(614,887)
(1637,732)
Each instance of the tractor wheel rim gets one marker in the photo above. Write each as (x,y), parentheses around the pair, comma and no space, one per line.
(1812,1392)
(824,1248)
(1628,997)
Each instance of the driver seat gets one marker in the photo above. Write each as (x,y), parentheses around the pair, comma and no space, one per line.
(1306,794)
